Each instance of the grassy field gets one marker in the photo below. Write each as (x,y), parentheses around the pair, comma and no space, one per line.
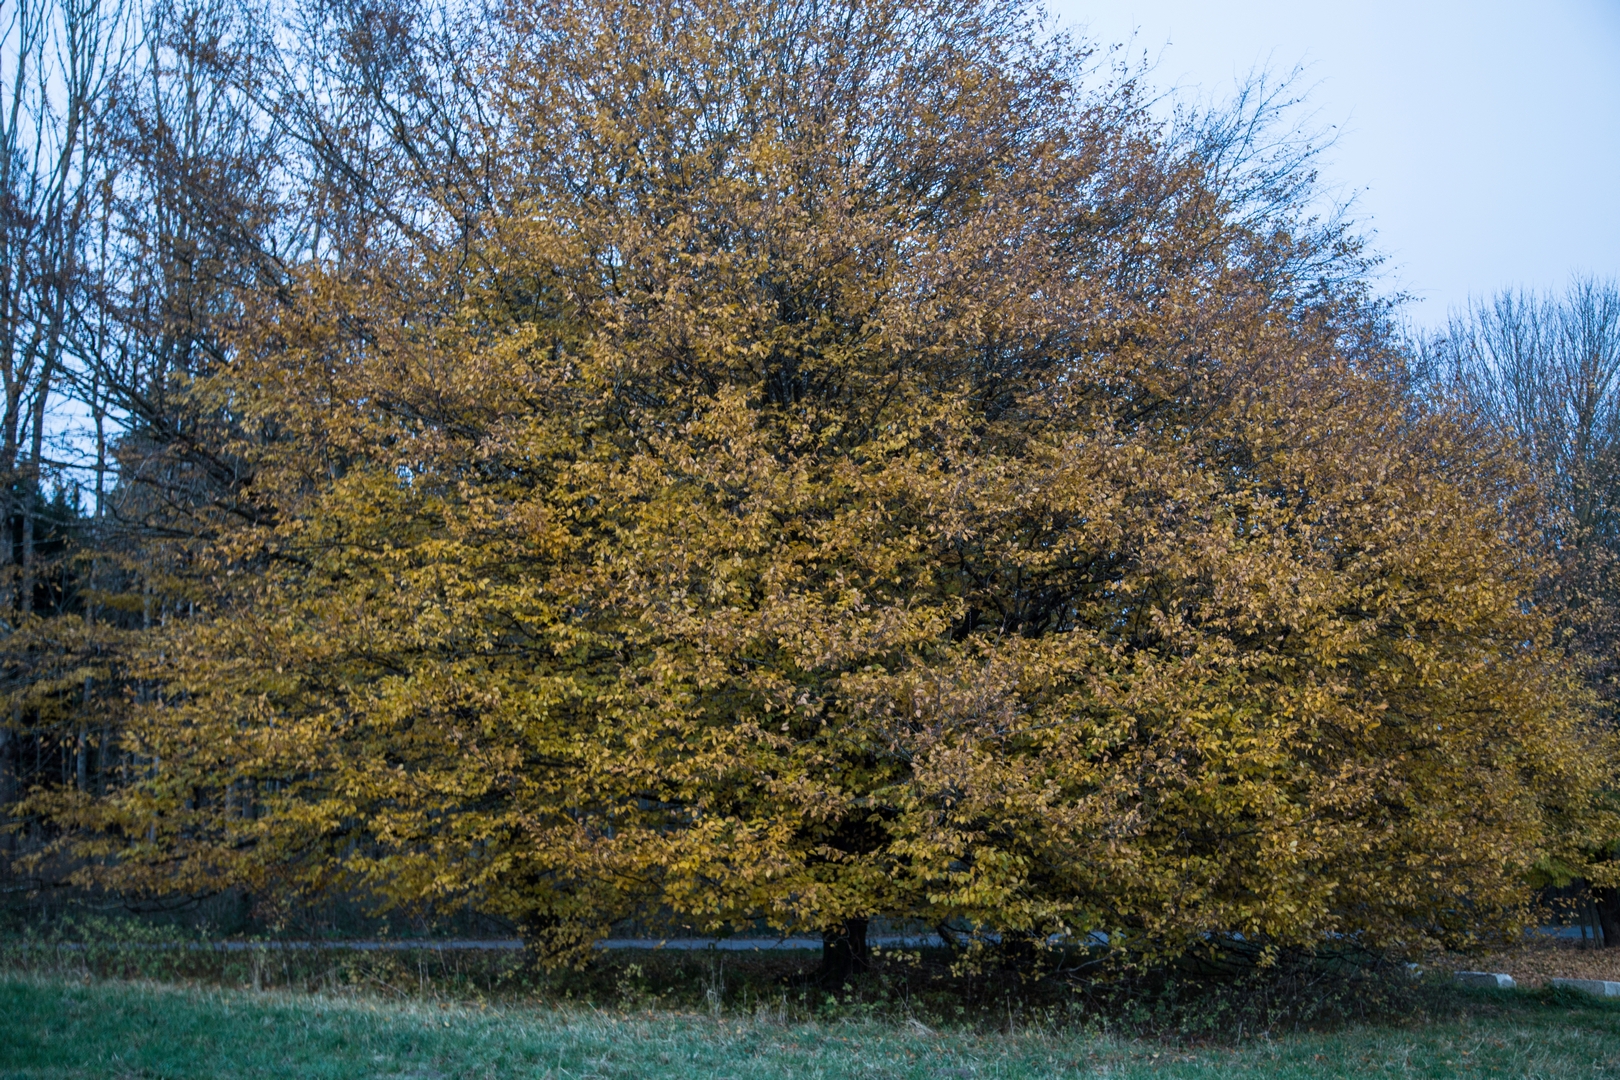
(53,1028)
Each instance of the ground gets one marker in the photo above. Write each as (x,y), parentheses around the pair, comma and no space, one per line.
(51,1028)
(1541,959)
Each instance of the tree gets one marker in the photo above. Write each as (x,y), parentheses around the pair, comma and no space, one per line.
(1544,372)
(807,462)
(58,61)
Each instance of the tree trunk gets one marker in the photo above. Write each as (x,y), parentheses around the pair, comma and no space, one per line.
(843,953)
(1607,902)
(6,786)
(31,497)
(25,587)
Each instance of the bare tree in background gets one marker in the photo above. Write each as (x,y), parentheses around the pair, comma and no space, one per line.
(1546,371)
(62,59)
(59,60)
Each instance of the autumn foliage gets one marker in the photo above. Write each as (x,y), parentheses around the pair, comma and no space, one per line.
(803,462)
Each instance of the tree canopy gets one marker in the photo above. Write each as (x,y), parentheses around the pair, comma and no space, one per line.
(808,461)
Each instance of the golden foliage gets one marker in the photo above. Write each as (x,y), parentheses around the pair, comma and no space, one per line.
(851,468)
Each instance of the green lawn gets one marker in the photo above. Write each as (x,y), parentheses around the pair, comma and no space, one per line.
(51,1028)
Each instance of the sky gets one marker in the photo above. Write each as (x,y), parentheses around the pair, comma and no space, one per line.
(1480,140)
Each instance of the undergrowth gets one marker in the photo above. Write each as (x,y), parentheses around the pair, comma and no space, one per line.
(1214,999)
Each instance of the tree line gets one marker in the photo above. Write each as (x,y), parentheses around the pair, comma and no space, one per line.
(785,462)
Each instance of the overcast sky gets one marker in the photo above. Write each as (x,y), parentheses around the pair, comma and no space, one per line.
(1481,139)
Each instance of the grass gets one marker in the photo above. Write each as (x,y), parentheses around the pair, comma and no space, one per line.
(51,1028)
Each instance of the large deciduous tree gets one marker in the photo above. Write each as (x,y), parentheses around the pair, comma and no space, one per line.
(814,461)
